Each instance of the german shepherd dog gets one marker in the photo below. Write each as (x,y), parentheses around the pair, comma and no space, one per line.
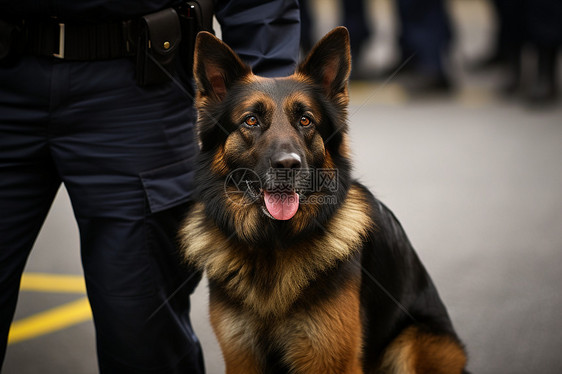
(308,272)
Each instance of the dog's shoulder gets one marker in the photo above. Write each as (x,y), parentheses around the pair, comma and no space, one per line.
(387,233)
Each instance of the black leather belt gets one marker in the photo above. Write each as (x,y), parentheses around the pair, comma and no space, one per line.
(155,41)
(80,42)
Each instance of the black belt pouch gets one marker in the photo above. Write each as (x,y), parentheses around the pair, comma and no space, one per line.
(159,42)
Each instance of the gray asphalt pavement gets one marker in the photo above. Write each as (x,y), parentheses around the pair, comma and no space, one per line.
(475,180)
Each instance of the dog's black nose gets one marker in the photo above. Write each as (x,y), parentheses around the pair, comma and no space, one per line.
(286,160)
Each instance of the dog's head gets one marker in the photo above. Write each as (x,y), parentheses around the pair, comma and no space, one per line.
(273,150)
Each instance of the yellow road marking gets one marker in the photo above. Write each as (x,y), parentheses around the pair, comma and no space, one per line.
(56,318)
(50,321)
(53,283)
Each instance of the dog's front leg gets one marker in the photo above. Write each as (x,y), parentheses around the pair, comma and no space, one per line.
(236,337)
(240,362)
(326,338)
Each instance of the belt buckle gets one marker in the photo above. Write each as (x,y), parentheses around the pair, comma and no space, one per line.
(60,53)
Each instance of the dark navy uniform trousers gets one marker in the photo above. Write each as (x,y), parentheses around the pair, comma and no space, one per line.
(125,155)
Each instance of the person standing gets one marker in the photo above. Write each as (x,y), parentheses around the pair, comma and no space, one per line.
(425,38)
(83,102)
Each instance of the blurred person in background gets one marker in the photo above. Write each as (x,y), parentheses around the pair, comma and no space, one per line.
(424,41)
(533,26)
(544,23)
(354,17)
(426,38)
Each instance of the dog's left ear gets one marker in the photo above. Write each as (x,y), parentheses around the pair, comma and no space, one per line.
(216,66)
(329,62)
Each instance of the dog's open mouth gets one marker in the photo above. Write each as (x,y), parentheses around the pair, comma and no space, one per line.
(281,205)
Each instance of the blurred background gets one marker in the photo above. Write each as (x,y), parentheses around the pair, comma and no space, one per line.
(457,126)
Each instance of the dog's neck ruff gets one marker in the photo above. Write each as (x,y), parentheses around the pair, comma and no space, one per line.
(266,280)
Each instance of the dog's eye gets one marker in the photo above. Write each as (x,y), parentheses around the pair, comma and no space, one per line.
(305,121)
(251,121)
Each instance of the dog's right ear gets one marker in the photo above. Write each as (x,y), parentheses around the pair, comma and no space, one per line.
(216,66)
(329,63)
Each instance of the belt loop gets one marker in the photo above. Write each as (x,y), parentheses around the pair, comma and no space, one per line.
(60,54)
(130,35)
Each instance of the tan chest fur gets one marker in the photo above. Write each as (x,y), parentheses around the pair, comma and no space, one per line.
(271,287)
(324,338)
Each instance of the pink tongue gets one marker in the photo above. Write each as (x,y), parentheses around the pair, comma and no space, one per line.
(281,205)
